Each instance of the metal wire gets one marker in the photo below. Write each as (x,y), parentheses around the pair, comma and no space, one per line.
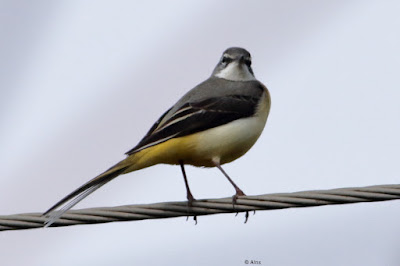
(206,207)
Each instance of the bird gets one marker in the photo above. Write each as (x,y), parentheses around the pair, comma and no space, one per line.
(214,123)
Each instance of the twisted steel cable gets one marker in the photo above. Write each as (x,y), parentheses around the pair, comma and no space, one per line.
(206,207)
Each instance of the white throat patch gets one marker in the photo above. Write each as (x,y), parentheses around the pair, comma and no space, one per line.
(235,72)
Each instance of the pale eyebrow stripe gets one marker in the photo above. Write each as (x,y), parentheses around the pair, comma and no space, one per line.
(228,55)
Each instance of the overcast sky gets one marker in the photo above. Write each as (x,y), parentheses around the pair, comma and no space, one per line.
(82,82)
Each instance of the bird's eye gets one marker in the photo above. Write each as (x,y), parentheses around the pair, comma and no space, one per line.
(226,60)
(247,61)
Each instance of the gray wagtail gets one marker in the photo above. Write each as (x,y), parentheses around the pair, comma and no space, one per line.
(215,123)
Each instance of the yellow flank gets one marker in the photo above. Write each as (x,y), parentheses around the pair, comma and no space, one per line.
(168,152)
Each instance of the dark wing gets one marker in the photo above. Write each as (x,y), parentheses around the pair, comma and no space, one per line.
(154,126)
(198,116)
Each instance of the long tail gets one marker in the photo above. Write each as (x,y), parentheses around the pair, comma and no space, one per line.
(82,192)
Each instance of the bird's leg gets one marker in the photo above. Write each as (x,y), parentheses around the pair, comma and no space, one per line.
(188,193)
(239,192)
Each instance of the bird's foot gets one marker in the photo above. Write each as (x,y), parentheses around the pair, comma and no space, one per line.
(246,217)
(190,199)
(237,195)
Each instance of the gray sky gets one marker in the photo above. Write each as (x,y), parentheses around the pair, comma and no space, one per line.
(82,82)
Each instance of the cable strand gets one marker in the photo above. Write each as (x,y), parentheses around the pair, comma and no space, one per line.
(206,207)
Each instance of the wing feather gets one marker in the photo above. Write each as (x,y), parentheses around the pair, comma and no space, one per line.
(198,116)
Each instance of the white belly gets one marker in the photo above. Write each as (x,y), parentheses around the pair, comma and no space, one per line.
(230,141)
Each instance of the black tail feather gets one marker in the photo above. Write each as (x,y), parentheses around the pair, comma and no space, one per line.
(79,194)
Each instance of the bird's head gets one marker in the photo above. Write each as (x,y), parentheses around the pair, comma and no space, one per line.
(235,65)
